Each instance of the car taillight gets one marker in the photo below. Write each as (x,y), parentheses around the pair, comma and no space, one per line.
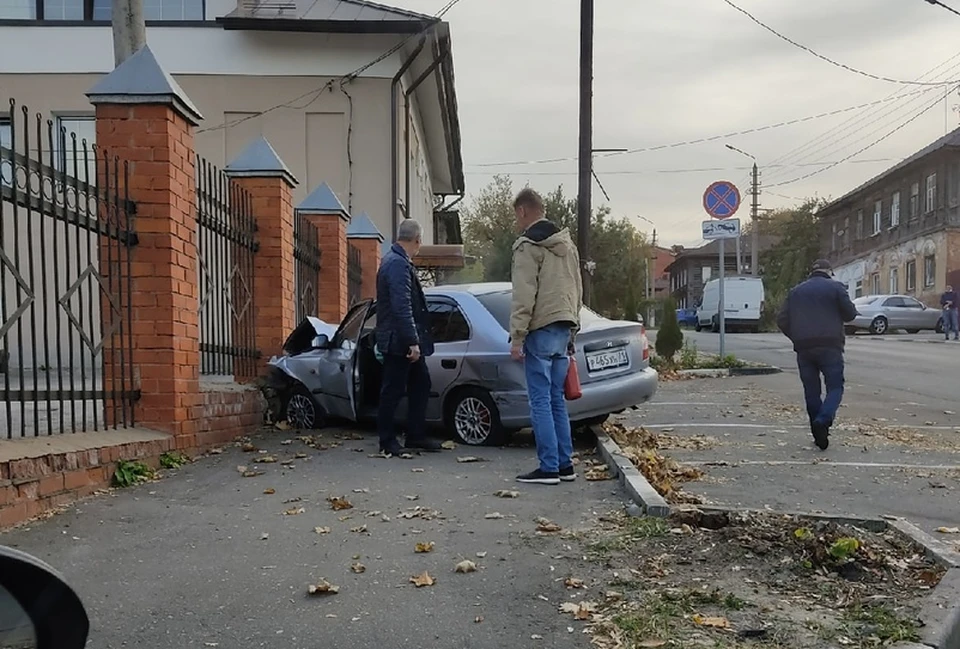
(646,343)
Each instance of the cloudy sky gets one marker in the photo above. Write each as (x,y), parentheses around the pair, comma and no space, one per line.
(668,72)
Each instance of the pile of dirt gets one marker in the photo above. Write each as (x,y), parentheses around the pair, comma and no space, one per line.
(663,473)
(752,580)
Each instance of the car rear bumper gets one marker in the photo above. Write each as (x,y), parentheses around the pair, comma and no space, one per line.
(599,399)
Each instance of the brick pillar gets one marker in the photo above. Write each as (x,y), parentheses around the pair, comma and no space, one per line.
(259,171)
(326,212)
(144,118)
(366,237)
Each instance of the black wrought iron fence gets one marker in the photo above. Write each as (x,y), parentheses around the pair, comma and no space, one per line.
(354,274)
(226,250)
(306,252)
(65,281)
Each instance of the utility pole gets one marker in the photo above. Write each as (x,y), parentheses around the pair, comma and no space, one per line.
(129,29)
(755,230)
(651,288)
(586,144)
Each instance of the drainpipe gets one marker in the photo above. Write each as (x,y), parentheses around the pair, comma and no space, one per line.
(441,56)
(394,145)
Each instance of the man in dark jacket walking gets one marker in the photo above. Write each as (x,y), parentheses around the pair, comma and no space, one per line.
(403,338)
(950,303)
(813,318)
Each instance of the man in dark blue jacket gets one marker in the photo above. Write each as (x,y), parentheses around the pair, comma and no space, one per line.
(813,318)
(403,338)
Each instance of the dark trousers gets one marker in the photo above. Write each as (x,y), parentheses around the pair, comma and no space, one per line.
(828,363)
(401,377)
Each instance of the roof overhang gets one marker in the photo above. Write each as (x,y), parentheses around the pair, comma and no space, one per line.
(445,257)
(238,21)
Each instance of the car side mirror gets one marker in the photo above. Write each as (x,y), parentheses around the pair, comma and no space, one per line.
(37,606)
(321,342)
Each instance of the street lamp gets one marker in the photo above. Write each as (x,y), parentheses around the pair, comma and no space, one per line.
(653,253)
(755,234)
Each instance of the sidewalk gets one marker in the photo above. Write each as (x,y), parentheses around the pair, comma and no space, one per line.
(751,438)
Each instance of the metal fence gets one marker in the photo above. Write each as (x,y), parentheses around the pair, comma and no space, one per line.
(65,284)
(226,248)
(354,274)
(306,252)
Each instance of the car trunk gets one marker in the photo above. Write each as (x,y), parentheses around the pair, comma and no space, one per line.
(608,349)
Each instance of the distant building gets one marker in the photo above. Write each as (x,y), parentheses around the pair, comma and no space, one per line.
(662,258)
(897,232)
(694,267)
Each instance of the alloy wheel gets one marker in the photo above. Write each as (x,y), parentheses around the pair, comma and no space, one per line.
(301,412)
(473,421)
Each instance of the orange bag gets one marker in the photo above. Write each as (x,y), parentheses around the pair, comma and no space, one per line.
(571,386)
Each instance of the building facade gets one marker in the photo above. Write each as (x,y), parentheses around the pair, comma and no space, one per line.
(351,93)
(900,232)
(692,268)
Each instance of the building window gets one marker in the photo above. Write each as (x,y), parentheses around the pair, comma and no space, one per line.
(858,289)
(18,10)
(877,207)
(859,224)
(911,276)
(914,200)
(98,10)
(166,10)
(894,280)
(833,237)
(6,140)
(72,157)
(846,232)
(875,284)
(706,273)
(931,192)
(895,210)
(929,271)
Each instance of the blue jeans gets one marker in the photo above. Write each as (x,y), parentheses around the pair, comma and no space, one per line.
(950,322)
(828,362)
(545,365)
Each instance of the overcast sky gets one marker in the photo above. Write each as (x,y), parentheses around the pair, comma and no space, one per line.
(669,71)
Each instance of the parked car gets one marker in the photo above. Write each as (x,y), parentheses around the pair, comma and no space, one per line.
(743,299)
(687,317)
(478,393)
(880,314)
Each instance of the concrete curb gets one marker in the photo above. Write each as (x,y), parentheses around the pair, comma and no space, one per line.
(736,371)
(640,491)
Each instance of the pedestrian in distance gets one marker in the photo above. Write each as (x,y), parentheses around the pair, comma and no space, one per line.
(403,340)
(544,321)
(813,318)
(951,317)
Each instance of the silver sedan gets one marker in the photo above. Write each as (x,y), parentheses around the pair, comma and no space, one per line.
(880,314)
(479,393)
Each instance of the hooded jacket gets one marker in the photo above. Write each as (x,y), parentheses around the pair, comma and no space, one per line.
(546,281)
(815,311)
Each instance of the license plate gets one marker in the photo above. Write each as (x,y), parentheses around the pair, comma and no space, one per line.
(607,360)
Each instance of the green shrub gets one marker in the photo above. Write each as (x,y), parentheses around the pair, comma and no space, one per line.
(669,337)
(131,473)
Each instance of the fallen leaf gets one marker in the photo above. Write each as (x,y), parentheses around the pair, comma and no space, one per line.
(250,473)
(412,497)
(358,568)
(248,448)
(294,511)
(715,622)
(406,456)
(544,525)
(241,469)
(598,473)
(417,470)
(506,493)
(493,516)
(363,490)
(536,636)
(422,580)
(928,577)
(264,536)
(449,445)
(469,458)
(465,567)
(652,643)
(282,425)
(215,451)
(580,611)
(422,548)
(339,503)
(323,587)
(478,619)
(321,530)
(481,555)
(573,582)
(269,492)
(287,442)
(360,529)
(949,530)
(302,455)
(266,459)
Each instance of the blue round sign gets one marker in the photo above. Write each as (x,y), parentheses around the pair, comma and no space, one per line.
(721,200)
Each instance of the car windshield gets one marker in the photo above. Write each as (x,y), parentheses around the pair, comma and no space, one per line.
(499,305)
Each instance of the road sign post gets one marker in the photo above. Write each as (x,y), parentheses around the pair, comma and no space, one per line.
(721,201)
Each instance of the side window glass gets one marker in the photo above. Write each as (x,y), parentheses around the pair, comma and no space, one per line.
(912,304)
(894,301)
(447,323)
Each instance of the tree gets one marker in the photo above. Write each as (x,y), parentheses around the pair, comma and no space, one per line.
(788,263)
(669,338)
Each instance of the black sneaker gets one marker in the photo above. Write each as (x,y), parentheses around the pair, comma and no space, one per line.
(568,474)
(391,449)
(821,435)
(539,477)
(426,444)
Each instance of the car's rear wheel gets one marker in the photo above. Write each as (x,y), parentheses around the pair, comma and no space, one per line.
(301,409)
(879,326)
(473,417)
(697,327)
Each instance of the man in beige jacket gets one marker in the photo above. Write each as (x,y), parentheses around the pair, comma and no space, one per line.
(547,295)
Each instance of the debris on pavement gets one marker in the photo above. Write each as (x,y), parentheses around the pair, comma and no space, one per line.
(493,516)
(465,566)
(339,503)
(547,526)
(423,579)
(358,568)
(323,587)
(663,473)
(506,493)
(423,547)
(469,458)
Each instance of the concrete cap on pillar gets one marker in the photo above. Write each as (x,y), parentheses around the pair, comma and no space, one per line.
(141,80)
(260,160)
(362,227)
(323,200)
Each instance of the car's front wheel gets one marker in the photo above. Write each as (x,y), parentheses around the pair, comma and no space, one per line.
(474,418)
(939,328)
(879,326)
(301,410)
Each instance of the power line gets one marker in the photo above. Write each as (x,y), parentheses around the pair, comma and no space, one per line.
(712,138)
(318,92)
(639,172)
(945,6)
(844,66)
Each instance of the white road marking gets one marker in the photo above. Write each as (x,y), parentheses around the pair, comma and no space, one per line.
(869,465)
(791,426)
(683,403)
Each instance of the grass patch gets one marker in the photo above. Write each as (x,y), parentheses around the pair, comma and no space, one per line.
(659,614)
(632,531)
(881,623)
(130,473)
(173,460)
(690,358)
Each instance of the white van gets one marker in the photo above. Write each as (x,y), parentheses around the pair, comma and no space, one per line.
(744,298)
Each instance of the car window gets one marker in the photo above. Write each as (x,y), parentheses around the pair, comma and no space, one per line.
(349,332)
(894,301)
(910,303)
(499,305)
(447,323)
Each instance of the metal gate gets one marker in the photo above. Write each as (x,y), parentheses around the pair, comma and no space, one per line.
(306,252)
(65,308)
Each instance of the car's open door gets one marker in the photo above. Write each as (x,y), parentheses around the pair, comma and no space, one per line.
(339,362)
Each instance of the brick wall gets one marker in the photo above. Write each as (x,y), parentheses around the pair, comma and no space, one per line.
(332,291)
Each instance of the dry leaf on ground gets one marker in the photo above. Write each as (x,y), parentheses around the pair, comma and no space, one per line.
(598,473)
(266,459)
(423,579)
(652,643)
(547,526)
(360,529)
(294,511)
(358,568)
(321,530)
(573,582)
(492,516)
(422,548)
(949,530)
(301,455)
(339,503)
(412,497)
(248,448)
(506,493)
(323,587)
(466,566)
(269,492)
(715,622)
(417,470)
(449,445)
(282,425)
(469,458)
(580,611)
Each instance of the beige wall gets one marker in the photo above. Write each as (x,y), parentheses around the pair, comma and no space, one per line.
(311,136)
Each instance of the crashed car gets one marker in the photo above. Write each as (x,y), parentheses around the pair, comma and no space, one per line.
(478,392)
